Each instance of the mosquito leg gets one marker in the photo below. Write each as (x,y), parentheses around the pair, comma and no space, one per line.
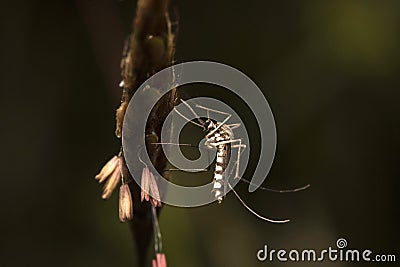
(183,116)
(240,151)
(189,107)
(186,145)
(173,144)
(239,147)
(252,211)
(213,110)
(237,162)
(230,142)
(234,125)
(278,190)
(192,110)
(186,170)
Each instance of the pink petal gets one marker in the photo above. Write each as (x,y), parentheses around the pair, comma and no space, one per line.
(161,260)
(154,190)
(142,184)
(145,184)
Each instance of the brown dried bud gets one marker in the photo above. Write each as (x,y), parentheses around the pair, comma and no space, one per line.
(120,118)
(125,203)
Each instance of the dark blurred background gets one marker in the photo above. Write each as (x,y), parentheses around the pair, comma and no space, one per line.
(329,69)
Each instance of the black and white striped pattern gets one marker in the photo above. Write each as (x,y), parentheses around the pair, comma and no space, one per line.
(217,139)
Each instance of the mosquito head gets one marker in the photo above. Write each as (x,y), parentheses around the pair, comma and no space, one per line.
(208,124)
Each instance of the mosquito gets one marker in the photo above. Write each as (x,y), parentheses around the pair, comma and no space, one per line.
(219,136)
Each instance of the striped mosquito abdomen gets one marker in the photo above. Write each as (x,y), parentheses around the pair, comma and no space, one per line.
(223,155)
(216,138)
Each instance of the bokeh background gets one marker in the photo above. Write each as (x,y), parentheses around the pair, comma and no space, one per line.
(329,69)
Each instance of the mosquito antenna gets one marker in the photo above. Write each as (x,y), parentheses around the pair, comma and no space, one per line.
(252,211)
(278,190)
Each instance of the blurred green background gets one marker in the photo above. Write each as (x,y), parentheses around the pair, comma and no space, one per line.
(329,69)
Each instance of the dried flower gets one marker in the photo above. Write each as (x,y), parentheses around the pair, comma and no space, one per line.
(125,203)
(112,173)
(107,169)
(160,260)
(149,188)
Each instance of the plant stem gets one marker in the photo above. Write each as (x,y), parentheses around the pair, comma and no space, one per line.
(149,49)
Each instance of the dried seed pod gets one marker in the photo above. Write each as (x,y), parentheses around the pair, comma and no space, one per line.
(125,203)
(107,170)
(113,181)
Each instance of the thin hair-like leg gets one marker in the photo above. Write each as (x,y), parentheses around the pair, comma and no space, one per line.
(183,116)
(234,125)
(176,144)
(193,112)
(278,190)
(236,164)
(190,108)
(213,110)
(252,211)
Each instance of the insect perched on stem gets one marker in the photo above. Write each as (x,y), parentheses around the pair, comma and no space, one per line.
(220,137)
